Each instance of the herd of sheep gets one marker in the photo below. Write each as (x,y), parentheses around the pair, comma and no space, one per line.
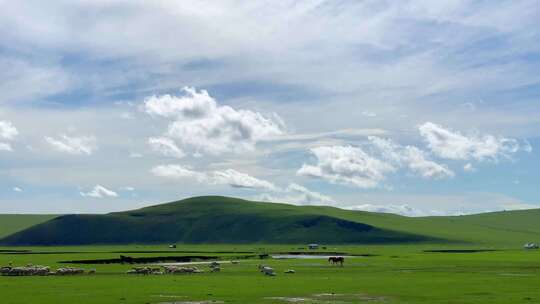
(31,270)
(171,269)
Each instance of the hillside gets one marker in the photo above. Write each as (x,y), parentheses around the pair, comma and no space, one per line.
(207,220)
(11,223)
(215,219)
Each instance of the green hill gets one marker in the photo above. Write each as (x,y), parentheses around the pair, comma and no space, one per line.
(215,219)
(11,223)
(207,220)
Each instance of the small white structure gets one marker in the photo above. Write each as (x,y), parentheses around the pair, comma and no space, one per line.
(313,246)
(530,246)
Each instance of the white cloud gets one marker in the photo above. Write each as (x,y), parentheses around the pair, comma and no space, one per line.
(128,188)
(469,168)
(177,172)
(237,179)
(297,195)
(200,123)
(418,163)
(73,145)
(450,144)
(307,197)
(165,146)
(404,209)
(411,157)
(99,192)
(17,189)
(5,147)
(228,177)
(347,165)
(7,130)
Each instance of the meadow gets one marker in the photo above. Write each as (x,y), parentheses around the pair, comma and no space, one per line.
(461,259)
(379,274)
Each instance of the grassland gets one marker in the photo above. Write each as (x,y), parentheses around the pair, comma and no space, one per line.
(11,223)
(229,220)
(432,269)
(389,274)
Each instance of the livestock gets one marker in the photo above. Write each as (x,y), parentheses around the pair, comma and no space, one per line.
(336,260)
(69,271)
(25,271)
(290,271)
(269,271)
(180,270)
(140,270)
(530,246)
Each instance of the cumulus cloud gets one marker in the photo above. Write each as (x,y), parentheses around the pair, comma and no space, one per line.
(17,189)
(411,157)
(73,145)
(229,177)
(99,192)
(7,132)
(346,165)
(166,147)
(450,144)
(197,121)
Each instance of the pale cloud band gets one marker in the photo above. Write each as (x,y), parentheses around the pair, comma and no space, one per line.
(229,177)
(73,144)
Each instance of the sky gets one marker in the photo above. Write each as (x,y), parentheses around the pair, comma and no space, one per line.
(411,107)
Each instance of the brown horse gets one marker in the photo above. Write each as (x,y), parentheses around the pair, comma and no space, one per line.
(336,260)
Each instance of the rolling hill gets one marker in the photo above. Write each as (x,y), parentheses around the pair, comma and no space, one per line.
(207,220)
(11,223)
(215,219)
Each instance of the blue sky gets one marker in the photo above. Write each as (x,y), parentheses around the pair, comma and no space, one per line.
(412,107)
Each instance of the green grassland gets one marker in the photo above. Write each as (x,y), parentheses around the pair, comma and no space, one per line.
(228,220)
(11,223)
(390,274)
(400,267)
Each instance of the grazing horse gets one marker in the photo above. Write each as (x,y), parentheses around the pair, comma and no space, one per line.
(336,260)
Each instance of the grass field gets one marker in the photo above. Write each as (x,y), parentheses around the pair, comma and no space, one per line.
(462,259)
(11,223)
(215,219)
(390,274)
